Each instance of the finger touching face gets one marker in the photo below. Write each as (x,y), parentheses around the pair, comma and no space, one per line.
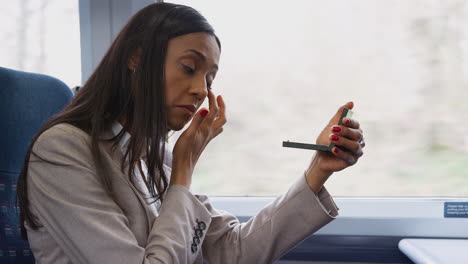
(190,69)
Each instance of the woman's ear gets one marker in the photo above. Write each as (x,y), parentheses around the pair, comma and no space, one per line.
(134,60)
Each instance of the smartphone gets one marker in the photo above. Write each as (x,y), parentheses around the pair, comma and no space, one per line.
(288,144)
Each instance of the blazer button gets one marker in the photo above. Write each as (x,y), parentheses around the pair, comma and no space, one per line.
(202,225)
(198,232)
(194,248)
(196,240)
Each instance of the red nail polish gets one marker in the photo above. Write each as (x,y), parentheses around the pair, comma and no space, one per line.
(335,138)
(336,150)
(204,112)
(336,129)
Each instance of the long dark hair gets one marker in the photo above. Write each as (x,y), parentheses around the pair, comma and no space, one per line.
(114,92)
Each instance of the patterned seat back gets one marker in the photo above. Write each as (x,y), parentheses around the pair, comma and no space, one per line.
(27,100)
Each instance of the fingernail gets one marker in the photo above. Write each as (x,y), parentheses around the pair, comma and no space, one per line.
(346,121)
(336,129)
(203,112)
(335,138)
(336,150)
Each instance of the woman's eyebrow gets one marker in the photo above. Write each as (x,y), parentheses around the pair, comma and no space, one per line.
(201,56)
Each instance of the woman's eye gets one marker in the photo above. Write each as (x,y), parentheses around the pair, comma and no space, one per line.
(188,69)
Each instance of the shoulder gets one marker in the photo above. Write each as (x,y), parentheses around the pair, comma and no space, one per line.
(62,140)
(62,134)
(63,130)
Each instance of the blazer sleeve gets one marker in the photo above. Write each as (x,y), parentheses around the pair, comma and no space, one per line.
(70,202)
(277,228)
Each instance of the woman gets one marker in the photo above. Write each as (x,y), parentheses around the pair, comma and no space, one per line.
(99,185)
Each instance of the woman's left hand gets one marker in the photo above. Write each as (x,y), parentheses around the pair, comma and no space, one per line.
(349,137)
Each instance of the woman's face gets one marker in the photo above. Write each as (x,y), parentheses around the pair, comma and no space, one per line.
(190,68)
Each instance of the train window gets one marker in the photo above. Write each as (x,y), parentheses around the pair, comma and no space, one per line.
(42,36)
(287,66)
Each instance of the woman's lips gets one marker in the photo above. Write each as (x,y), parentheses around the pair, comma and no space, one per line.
(190,109)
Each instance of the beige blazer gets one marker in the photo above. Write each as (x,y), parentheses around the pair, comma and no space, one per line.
(82,224)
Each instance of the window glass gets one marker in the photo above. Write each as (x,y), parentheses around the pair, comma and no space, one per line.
(286,66)
(42,36)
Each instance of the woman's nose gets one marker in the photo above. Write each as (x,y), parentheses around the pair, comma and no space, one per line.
(200,89)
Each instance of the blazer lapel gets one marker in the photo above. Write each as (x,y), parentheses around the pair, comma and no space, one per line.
(117,157)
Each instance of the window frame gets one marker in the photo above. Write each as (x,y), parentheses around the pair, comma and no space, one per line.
(100,22)
(367,229)
(365,216)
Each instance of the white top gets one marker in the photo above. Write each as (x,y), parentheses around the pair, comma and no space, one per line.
(435,251)
(116,128)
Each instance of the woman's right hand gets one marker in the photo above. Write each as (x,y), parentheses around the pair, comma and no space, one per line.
(205,126)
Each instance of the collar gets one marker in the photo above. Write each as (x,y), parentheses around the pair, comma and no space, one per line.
(123,143)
